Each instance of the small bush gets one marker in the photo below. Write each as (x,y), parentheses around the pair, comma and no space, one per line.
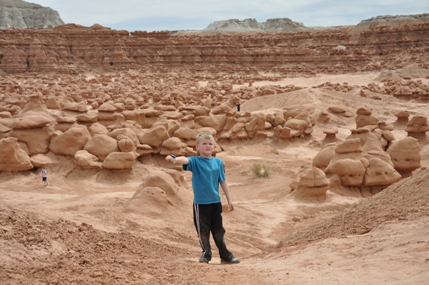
(261,170)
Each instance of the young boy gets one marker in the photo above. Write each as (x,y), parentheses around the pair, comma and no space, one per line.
(207,173)
(45,176)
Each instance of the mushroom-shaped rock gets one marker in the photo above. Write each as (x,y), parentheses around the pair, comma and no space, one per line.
(330,136)
(52,103)
(12,157)
(340,111)
(350,148)
(101,146)
(402,119)
(86,160)
(150,201)
(87,118)
(372,143)
(31,122)
(155,195)
(107,107)
(380,173)
(129,104)
(34,107)
(37,140)
(173,145)
(119,122)
(221,109)
(40,160)
(163,180)
(312,185)
(323,158)
(154,136)
(405,154)
(388,136)
(283,133)
(126,132)
(362,134)
(256,124)
(351,171)
(75,107)
(380,154)
(71,141)
(98,129)
(144,149)
(324,117)
(125,144)
(215,121)
(119,160)
(386,127)
(417,128)
(364,118)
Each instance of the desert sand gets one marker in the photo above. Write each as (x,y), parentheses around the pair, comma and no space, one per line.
(76,231)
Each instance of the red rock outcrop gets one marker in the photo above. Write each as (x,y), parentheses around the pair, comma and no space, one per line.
(72,48)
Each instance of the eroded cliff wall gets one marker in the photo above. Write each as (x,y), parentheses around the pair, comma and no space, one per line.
(71,49)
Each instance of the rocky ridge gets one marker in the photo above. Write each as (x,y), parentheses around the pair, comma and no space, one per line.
(72,48)
(235,25)
(22,15)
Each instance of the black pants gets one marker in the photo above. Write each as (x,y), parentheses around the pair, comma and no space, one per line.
(208,218)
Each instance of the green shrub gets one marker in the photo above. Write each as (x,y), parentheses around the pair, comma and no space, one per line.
(261,170)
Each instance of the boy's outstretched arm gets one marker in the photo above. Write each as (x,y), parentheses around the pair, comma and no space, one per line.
(225,189)
(179,159)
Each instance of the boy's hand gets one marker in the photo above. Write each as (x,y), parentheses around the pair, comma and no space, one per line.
(171,158)
(231,207)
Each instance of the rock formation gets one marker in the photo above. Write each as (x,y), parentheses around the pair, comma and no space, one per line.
(72,48)
(312,185)
(13,158)
(22,15)
(235,25)
(145,97)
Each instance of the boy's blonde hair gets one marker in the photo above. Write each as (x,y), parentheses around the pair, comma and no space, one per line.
(204,135)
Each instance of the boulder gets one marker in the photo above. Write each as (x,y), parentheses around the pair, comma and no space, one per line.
(12,157)
(405,155)
(380,173)
(71,141)
(101,146)
(119,160)
(86,160)
(312,185)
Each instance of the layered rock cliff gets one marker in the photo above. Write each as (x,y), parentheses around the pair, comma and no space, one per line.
(370,45)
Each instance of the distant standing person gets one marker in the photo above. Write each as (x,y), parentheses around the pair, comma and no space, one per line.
(207,174)
(45,176)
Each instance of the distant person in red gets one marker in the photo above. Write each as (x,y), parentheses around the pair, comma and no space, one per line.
(45,176)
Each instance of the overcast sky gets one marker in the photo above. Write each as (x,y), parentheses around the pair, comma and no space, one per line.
(156,15)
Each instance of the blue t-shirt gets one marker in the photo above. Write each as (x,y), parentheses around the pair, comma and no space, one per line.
(207,173)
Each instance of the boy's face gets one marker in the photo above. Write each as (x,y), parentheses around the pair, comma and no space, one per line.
(205,147)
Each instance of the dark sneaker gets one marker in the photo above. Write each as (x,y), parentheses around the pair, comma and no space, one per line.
(234,260)
(203,260)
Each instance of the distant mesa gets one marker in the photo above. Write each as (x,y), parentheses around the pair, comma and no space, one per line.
(22,15)
(390,18)
(235,25)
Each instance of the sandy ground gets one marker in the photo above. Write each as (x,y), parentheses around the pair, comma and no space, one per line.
(76,230)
